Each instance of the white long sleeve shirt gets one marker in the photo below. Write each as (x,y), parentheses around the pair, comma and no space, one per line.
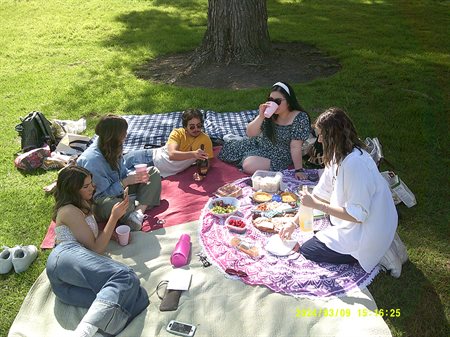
(357,185)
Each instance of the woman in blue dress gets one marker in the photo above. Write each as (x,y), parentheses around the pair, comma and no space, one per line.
(274,143)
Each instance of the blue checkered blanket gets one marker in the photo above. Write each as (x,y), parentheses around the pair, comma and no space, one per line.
(153,130)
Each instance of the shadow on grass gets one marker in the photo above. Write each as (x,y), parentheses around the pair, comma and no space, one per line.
(422,312)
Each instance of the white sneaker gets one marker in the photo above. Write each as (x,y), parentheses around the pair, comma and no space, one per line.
(23,257)
(135,220)
(391,262)
(400,248)
(230,136)
(6,260)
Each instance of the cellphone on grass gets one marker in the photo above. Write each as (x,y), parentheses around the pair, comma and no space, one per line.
(181,329)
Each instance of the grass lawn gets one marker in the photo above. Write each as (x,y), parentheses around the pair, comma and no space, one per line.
(72,59)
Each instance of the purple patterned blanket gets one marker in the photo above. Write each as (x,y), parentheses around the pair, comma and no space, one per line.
(291,275)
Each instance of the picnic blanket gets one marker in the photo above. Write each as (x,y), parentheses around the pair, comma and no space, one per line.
(182,198)
(153,130)
(291,275)
(217,305)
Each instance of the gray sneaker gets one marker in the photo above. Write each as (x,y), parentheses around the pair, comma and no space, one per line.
(391,262)
(23,257)
(400,248)
(135,220)
(6,260)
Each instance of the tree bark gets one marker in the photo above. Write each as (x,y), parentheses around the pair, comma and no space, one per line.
(237,32)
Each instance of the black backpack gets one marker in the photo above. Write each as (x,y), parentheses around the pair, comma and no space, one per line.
(35,130)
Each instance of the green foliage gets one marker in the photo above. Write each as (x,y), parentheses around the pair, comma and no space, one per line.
(70,59)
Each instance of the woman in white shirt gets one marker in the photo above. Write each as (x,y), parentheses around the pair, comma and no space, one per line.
(354,194)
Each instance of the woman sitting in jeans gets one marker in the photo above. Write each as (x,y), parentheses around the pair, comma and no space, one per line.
(111,173)
(78,273)
(355,195)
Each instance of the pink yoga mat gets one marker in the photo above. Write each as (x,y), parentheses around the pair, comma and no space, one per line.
(182,198)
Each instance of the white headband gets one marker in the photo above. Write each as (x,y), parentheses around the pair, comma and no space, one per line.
(284,86)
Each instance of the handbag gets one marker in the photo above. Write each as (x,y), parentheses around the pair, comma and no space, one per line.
(32,159)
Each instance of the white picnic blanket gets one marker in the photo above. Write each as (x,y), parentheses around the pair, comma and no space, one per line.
(215,303)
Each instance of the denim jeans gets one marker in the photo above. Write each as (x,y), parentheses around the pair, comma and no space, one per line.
(138,157)
(110,290)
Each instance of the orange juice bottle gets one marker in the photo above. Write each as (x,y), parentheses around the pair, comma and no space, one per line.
(306,216)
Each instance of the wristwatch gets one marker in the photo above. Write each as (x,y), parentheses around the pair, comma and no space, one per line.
(299,170)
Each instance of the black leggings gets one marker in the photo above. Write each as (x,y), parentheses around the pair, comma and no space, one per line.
(317,251)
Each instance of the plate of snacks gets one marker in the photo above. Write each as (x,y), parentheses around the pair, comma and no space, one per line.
(272,206)
(224,206)
(236,224)
(265,225)
(270,225)
(260,197)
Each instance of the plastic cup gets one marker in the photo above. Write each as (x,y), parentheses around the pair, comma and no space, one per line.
(270,109)
(141,169)
(123,234)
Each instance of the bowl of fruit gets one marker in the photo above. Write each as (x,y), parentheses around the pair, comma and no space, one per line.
(224,206)
(236,224)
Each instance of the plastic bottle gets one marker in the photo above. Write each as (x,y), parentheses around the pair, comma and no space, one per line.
(180,254)
(306,216)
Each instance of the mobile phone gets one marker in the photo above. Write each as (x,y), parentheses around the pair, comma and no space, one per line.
(181,329)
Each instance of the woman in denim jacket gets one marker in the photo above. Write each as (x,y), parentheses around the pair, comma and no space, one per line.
(78,273)
(111,173)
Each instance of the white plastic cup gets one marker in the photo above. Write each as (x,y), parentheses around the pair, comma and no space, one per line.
(123,234)
(270,109)
(141,169)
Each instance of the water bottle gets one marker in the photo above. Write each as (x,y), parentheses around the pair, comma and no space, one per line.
(180,254)
(306,216)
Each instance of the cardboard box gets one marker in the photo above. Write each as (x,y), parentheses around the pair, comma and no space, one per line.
(399,189)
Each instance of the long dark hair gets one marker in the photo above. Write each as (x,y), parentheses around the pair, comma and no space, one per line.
(293,105)
(339,136)
(110,130)
(68,186)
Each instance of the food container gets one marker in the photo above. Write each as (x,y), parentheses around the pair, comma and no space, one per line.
(229,206)
(232,222)
(229,190)
(288,197)
(260,197)
(267,181)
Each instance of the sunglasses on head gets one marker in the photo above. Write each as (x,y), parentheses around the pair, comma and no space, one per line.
(276,100)
(195,126)
(235,272)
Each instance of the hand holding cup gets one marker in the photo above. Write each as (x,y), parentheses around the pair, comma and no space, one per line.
(141,173)
(271,107)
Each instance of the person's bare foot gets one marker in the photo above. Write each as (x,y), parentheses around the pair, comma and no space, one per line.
(49,189)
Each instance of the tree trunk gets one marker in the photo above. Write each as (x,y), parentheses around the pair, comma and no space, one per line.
(237,32)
